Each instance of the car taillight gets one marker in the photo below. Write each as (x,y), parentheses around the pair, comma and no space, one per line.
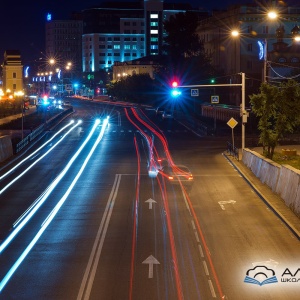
(171,177)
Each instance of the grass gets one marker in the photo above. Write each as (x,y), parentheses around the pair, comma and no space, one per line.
(282,159)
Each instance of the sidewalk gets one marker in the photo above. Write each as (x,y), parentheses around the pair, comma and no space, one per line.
(272,200)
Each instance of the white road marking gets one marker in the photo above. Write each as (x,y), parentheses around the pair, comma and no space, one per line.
(90,271)
(221,203)
(151,260)
(150,201)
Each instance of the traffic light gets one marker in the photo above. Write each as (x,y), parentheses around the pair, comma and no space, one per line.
(212,80)
(174,84)
(175,93)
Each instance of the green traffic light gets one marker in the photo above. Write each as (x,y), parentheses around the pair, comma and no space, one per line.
(212,80)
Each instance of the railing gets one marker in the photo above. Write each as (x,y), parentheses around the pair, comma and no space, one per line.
(39,130)
(232,150)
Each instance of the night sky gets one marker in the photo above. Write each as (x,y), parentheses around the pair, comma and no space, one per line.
(22,23)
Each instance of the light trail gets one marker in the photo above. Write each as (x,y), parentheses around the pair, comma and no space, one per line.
(51,216)
(42,146)
(37,160)
(30,212)
(135,220)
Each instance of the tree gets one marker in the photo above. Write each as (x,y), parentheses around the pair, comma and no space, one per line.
(185,53)
(278,110)
(136,88)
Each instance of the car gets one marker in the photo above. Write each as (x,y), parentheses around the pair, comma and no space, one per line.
(167,115)
(67,103)
(177,175)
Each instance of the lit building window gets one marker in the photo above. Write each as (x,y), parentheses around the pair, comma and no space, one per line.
(154,16)
(154,31)
(117,47)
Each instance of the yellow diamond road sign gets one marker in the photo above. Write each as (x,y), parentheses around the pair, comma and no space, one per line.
(232,123)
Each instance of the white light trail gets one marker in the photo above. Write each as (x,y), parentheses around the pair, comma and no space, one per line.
(29,213)
(42,146)
(53,213)
(37,160)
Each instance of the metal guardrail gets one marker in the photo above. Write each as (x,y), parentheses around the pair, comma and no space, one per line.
(232,150)
(39,130)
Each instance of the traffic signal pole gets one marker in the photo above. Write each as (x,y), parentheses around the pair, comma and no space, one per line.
(243,110)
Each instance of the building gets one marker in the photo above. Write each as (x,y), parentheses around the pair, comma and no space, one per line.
(12,72)
(284,58)
(63,45)
(119,32)
(144,65)
(245,52)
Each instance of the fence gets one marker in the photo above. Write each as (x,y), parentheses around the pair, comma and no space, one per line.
(39,130)
(232,150)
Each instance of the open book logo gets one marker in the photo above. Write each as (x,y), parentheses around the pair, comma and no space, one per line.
(260,275)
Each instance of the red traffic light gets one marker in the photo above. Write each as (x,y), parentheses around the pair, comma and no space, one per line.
(174,84)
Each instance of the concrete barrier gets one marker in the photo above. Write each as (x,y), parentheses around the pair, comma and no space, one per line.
(284,180)
(6,148)
(288,186)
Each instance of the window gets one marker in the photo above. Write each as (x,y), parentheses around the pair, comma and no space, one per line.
(282,60)
(154,39)
(133,47)
(127,47)
(117,47)
(109,46)
(116,54)
(265,29)
(101,54)
(154,31)
(14,86)
(153,23)
(14,75)
(127,23)
(116,39)
(126,54)
(154,16)
(109,54)
(101,46)
(295,60)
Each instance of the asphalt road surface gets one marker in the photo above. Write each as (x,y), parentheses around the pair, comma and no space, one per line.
(84,214)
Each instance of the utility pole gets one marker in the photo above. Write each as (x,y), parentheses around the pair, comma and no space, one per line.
(243,112)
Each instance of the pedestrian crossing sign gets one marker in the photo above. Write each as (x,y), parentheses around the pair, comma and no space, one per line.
(214,99)
(194,92)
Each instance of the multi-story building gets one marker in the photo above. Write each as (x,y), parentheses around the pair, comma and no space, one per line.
(114,32)
(246,51)
(12,69)
(64,44)
(119,32)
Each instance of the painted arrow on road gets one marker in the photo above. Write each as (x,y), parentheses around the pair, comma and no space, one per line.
(150,201)
(151,260)
(221,203)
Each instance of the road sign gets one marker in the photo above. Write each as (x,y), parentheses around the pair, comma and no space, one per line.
(214,99)
(68,87)
(194,92)
(232,123)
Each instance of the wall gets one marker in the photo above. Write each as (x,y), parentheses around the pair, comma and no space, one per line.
(284,180)
(6,149)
